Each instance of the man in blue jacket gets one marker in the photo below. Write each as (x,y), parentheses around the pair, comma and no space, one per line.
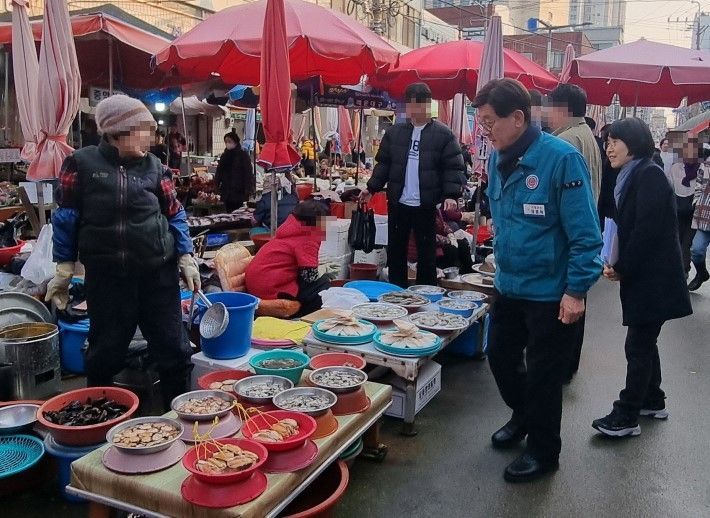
(119,215)
(547,245)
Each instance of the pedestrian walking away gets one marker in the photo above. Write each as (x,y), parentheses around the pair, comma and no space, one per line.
(701,225)
(118,211)
(234,179)
(649,269)
(420,163)
(547,252)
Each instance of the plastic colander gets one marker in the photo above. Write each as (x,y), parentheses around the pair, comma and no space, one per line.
(18,453)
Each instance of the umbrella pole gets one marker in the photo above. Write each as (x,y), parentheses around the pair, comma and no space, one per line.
(253,156)
(313,138)
(359,146)
(184,127)
(110,66)
(274,203)
(6,95)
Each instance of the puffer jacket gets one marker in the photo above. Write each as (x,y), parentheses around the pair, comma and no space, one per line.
(701,216)
(441,167)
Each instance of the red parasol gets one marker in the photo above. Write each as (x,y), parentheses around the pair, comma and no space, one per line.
(345,130)
(453,67)
(320,42)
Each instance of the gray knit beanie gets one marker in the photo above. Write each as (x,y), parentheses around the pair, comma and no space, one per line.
(120,113)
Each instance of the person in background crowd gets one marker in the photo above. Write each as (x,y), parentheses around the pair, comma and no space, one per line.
(547,252)
(593,126)
(450,251)
(159,149)
(606,204)
(308,156)
(467,158)
(682,177)
(358,156)
(536,106)
(177,146)
(667,155)
(287,266)
(287,201)
(701,224)
(118,212)
(90,134)
(568,104)
(420,163)
(649,270)
(565,115)
(234,179)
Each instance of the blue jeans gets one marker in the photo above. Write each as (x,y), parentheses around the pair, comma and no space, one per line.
(700,246)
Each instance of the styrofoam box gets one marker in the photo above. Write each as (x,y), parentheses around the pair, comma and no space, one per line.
(204,365)
(381,229)
(343,262)
(336,238)
(378,257)
(428,385)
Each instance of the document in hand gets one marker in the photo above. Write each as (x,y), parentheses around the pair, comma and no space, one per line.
(610,249)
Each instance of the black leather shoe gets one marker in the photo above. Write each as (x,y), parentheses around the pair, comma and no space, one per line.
(527,468)
(510,435)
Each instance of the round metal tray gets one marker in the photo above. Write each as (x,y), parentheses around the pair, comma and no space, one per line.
(144,450)
(198,394)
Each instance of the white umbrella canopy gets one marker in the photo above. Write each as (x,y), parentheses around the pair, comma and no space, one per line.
(58,91)
(567,63)
(26,74)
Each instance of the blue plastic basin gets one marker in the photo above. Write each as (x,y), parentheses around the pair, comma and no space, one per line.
(235,342)
(72,338)
(65,455)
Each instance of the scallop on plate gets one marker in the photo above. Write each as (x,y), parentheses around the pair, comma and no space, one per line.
(405,299)
(379,311)
(438,321)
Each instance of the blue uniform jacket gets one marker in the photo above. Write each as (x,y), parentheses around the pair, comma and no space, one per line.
(547,238)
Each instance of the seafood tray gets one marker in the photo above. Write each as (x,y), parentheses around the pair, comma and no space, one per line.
(407,340)
(145,435)
(344,330)
(308,400)
(433,293)
(91,412)
(379,311)
(203,405)
(260,389)
(476,279)
(338,379)
(473,296)
(406,299)
(462,307)
(438,321)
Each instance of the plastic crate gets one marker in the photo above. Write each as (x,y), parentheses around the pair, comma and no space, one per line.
(466,344)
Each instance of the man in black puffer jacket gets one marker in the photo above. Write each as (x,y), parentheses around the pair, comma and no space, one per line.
(421,164)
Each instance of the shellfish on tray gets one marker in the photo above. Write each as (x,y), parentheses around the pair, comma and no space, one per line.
(278,431)
(407,336)
(379,311)
(228,458)
(406,299)
(344,324)
(438,321)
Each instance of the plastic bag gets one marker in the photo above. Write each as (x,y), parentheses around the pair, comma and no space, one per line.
(342,298)
(361,235)
(39,266)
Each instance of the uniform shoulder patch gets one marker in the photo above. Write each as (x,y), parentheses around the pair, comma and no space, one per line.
(572,184)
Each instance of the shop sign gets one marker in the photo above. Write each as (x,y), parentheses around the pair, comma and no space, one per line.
(96,95)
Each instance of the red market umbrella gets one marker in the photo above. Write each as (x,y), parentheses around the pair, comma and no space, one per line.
(108,49)
(567,63)
(58,91)
(643,73)
(26,74)
(453,67)
(277,153)
(320,42)
(345,130)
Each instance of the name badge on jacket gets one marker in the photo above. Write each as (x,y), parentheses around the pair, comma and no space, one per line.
(531,209)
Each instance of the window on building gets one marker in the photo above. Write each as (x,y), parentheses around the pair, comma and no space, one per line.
(557,59)
(527,55)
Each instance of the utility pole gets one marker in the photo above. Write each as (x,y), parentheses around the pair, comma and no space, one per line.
(693,25)
(550,28)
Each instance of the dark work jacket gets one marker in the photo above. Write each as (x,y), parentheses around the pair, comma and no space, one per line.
(121,223)
(441,167)
(653,285)
(234,179)
(606,203)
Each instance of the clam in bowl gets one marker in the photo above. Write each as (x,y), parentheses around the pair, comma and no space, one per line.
(312,401)
(338,379)
(164,431)
(260,390)
(203,405)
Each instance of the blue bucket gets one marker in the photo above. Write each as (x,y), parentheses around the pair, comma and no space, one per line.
(72,338)
(65,455)
(235,342)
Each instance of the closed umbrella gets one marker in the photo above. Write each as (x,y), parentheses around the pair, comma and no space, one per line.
(459,120)
(277,153)
(445,112)
(58,91)
(492,67)
(26,72)
(319,41)
(567,63)
(345,130)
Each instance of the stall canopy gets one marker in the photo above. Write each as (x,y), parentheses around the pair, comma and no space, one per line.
(567,63)
(320,42)
(453,67)
(101,41)
(644,73)
(193,106)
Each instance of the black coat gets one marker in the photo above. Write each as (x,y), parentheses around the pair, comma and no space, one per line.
(653,285)
(441,167)
(234,178)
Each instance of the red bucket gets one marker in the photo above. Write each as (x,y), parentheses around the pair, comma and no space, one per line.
(320,498)
(378,203)
(484,233)
(304,190)
(337,209)
(363,272)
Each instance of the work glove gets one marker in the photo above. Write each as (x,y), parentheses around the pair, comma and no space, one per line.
(190,271)
(58,287)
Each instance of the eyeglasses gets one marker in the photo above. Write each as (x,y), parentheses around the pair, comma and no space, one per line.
(486,125)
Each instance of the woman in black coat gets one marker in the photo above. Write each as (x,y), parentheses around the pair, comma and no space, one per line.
(234,179)
(649,270)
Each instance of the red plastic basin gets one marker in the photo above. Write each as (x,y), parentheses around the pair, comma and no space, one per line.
(337,360)
(304,190)
(7,253)
(90,434)
(306,428)
(363,272)
(206,449)
(231,374)
(319,499)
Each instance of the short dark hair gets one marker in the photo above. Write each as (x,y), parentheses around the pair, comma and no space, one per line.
(505,96)
(571,96)
(591,123)
(308,212)
(420,92)
(234,137)
(664,139)
(635,134)
(535,97)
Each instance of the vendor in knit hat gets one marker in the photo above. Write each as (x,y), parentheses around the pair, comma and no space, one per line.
(119,215)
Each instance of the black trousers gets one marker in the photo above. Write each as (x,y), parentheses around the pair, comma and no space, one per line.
(530,382)
(577,342)
(685,230)
(456,256)
(643,371)
(309,167)
(117,304)
(402,220)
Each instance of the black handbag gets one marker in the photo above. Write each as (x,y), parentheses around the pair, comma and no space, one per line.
(368,239)
(356,232)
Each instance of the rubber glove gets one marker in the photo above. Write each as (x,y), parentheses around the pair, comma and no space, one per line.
(58,287)
(453,241)
(190,271)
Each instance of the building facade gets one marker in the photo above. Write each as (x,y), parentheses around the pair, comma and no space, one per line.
(534,47)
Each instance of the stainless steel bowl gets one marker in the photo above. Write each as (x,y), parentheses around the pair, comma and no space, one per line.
(338,390)
(306,391)
(14,418)
(144,450)
(452,272)
(199,394)
(244,384)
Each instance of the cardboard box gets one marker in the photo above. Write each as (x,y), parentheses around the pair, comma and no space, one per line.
(341,262)
(378,257)
(428,385)
(336,238)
